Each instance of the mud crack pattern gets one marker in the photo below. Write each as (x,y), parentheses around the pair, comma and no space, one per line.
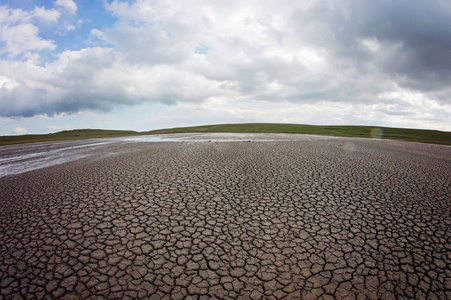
(253,220)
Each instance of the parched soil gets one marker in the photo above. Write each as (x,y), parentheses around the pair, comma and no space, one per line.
(330,218)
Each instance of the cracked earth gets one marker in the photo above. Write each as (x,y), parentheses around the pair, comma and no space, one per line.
(315,219)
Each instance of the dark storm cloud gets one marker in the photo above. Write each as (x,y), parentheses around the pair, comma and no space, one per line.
(419,31)
(22,101)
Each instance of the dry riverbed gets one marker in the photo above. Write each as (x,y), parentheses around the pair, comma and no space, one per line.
(226,216)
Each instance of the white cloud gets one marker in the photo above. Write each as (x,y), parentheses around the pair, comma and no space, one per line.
(97,33)
(217,111)
(20,130)
(21,39)
(15,15)
(46,15)
(68,5)
(20,36)
(372,44)
(59,127)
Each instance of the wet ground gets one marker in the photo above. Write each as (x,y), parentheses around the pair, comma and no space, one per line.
(16,159)
(225,216)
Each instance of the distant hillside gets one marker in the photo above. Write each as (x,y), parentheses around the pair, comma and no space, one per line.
(413,135)
(64,135)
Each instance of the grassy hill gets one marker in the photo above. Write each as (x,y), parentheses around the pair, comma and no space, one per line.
(64,135)
(414,135)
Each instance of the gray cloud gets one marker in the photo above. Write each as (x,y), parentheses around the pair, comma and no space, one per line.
(23,101)
(147,44)
(419,33)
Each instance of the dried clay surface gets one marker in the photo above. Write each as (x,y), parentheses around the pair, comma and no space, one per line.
(325,218)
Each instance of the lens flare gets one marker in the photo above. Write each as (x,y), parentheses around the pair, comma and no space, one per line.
(377,133)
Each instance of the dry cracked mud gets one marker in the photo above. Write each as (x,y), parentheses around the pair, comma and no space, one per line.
(317,219)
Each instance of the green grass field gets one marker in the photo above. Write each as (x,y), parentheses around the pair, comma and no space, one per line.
(413,135)
(64,135)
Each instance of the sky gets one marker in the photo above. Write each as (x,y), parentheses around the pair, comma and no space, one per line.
(149,64)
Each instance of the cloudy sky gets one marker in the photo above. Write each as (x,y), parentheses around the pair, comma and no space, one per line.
(149,64)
